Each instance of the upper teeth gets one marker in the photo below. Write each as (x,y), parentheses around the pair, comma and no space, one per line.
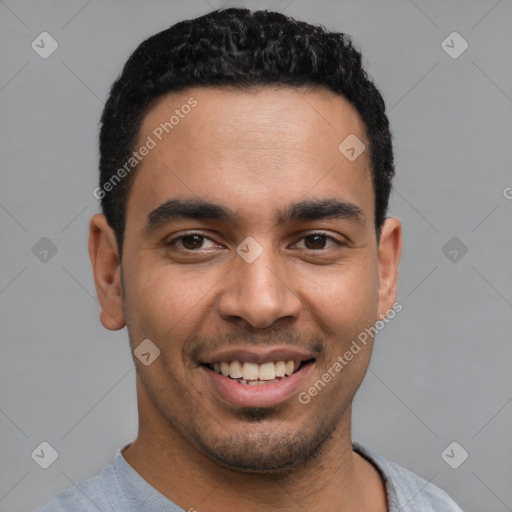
(254,371)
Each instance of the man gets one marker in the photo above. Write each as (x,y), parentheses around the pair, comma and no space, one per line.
(246,166)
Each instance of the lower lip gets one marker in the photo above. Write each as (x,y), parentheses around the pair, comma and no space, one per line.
(264,395)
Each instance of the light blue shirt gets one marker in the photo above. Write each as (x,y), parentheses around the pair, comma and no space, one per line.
(119,488)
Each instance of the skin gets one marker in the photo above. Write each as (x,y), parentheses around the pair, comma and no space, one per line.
(254,152)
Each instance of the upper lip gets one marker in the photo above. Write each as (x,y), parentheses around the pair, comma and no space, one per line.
(256,354)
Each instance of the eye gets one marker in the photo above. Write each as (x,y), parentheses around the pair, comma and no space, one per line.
(317,241)
(190,242)
(194,242)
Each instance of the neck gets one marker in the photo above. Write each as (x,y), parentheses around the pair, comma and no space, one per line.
(336,480)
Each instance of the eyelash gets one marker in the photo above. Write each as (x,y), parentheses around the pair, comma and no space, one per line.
(174,241)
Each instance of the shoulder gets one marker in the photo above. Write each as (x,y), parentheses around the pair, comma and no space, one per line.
(64,502)
(85,496)
(407,491)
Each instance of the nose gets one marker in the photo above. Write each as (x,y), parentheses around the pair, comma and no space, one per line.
(259,293)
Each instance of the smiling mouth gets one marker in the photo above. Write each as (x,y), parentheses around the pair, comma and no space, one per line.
(254,374)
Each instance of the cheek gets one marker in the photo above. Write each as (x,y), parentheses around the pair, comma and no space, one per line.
(344,299)
(167,314)
(358,301)
(164,305)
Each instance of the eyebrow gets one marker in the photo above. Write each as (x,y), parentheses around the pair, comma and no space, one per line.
(303,211)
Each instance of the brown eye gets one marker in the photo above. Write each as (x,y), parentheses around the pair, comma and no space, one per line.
(192,242)
(318,241)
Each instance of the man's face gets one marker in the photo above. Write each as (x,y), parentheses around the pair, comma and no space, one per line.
(258,278)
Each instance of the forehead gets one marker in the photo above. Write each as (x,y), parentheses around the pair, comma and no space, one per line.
(256,148)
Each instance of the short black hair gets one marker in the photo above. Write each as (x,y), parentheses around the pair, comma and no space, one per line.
(236,48)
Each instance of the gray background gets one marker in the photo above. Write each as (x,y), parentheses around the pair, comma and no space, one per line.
(441,369)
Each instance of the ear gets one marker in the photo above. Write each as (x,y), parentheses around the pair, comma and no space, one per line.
(390,250)
(107,272)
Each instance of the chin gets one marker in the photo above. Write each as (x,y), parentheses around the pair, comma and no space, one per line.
(266,452)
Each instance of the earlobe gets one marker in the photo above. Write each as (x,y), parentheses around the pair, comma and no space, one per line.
(390,250)
(106,267)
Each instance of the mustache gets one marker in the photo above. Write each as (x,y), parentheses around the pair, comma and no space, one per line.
(197,343)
